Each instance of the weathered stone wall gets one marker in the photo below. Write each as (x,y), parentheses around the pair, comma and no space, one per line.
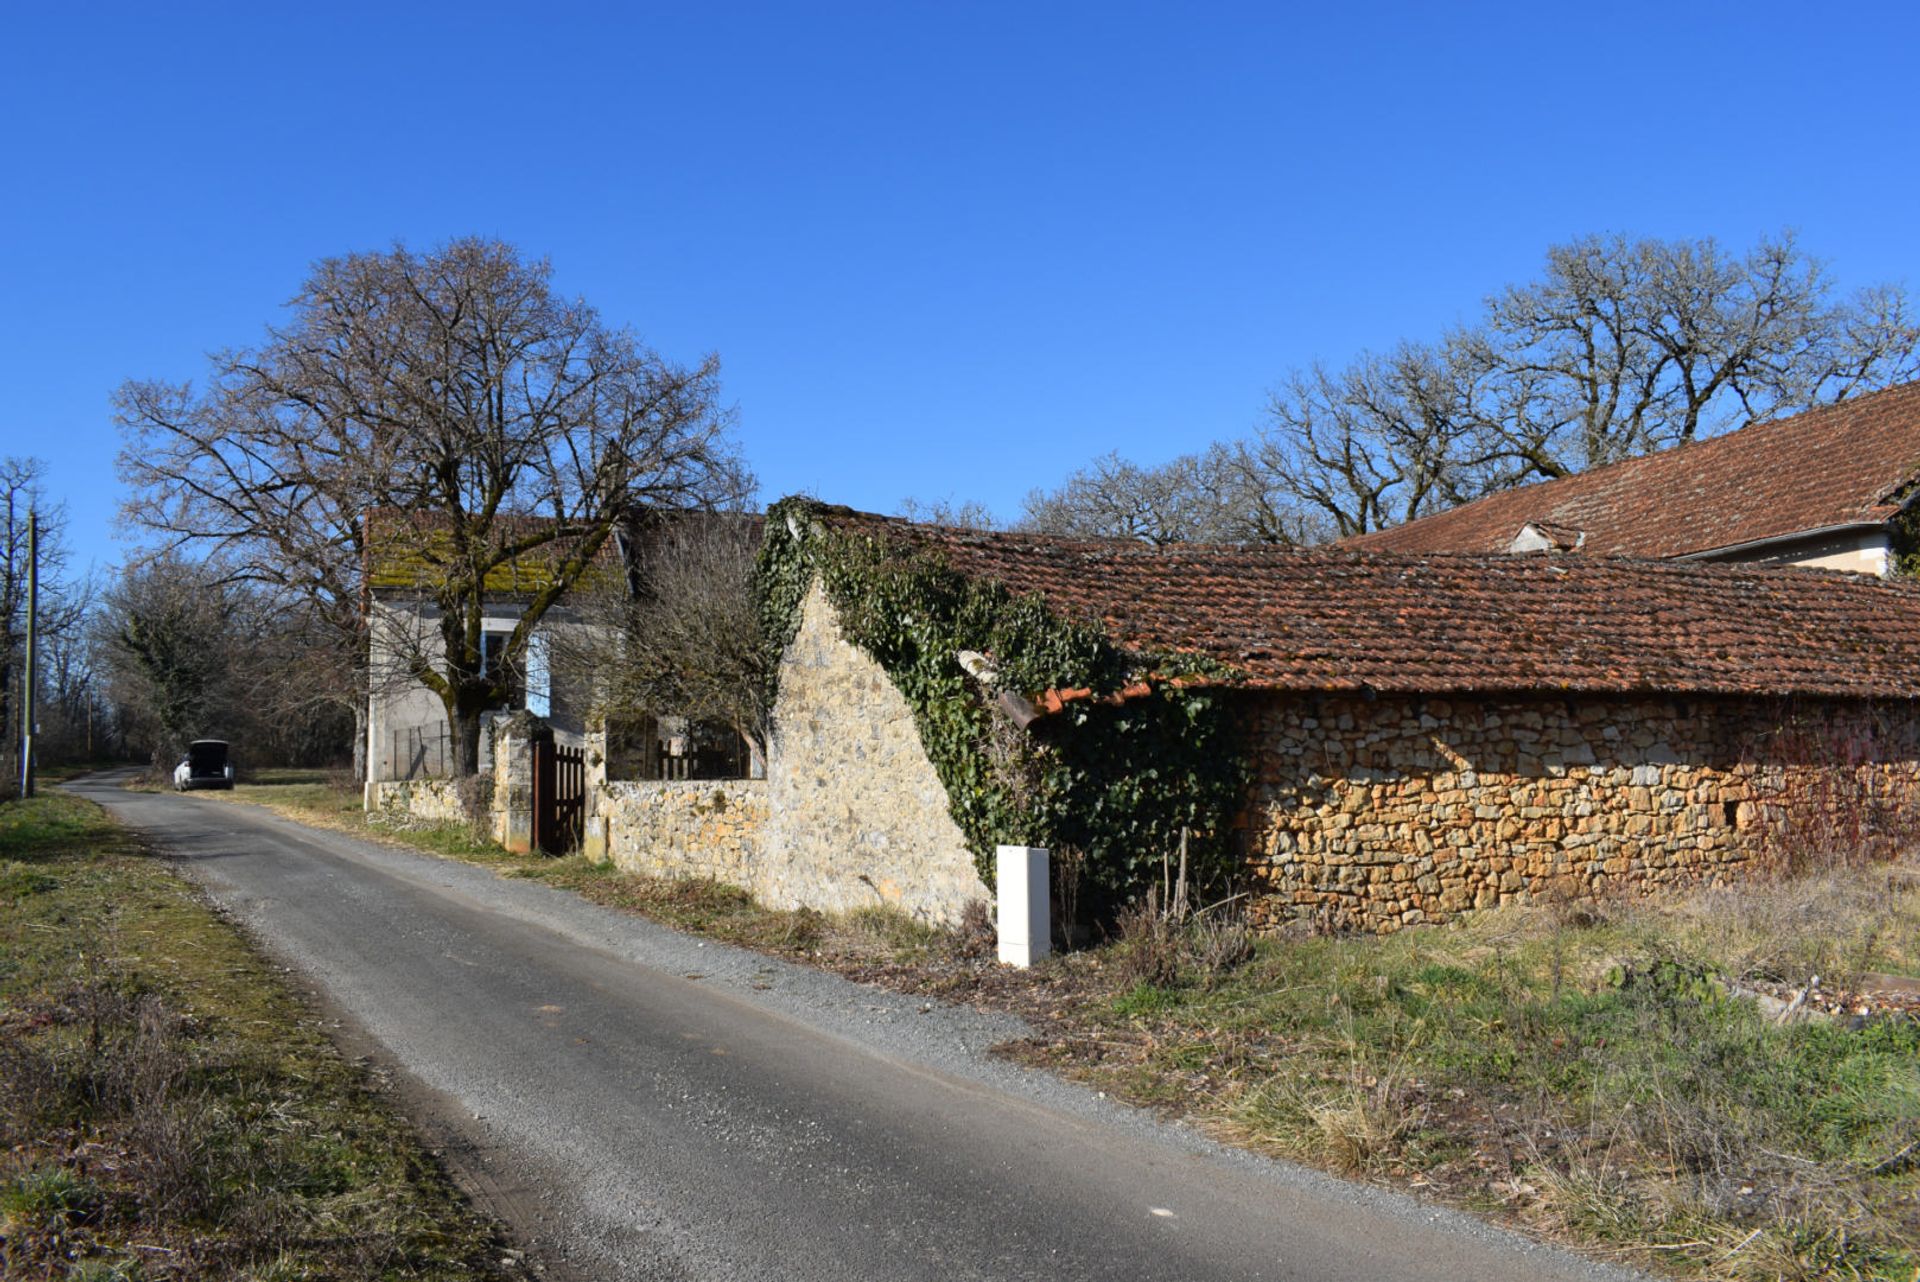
(680,828)
(436,800)
(1385,813)
(857,815)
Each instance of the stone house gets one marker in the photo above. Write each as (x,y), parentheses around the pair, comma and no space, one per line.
(1827,489)
(1421,734)
(408,738)
(406,723)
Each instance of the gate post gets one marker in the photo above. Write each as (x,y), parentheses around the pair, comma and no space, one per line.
(515,805)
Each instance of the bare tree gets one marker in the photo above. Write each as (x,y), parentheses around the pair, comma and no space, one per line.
(489,427)
(1625,347)
(188,649)
(1382,441)
(683,637)
(63,601)
(1621,347)
(75,721)
(1205,498)
(970,514)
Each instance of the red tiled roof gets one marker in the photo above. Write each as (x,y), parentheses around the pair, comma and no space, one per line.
(1845,464)
(1332,619)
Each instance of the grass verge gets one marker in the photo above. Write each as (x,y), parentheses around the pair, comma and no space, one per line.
(168,1110)
(1588,1074)
(1585,1073)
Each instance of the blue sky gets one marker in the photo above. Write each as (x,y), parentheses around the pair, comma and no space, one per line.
(942,250)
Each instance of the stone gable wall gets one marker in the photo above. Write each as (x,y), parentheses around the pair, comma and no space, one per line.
(857,814)
(850,815)
(1379,814)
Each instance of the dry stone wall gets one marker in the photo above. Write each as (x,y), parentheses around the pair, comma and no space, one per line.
(434,800)
(1384,813)
(678,828)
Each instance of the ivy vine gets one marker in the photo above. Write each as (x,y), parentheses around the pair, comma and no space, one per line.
(1117,783)
(1903,534)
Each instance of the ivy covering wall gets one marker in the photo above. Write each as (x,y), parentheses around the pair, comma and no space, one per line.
(1115,783)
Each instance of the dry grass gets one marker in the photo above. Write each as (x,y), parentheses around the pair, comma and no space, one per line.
(167,1109)
(1835,924)
(1585,1073)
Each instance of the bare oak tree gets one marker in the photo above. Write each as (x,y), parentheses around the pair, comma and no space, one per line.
(488,426)
(1622,347)
(1196,498)
(1115,498)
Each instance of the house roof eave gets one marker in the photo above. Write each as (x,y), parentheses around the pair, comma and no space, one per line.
(1775,540)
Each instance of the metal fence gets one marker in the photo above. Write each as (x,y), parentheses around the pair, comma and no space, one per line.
(695,751)
(421,752)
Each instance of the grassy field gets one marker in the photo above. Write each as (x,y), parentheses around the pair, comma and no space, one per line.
(1586,1073)
(168,1110)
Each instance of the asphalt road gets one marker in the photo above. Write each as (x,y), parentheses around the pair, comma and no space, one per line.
(637,1104)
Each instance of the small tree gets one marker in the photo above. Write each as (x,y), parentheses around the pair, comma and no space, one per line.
(684,638)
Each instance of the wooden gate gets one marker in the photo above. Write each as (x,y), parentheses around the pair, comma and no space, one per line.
(559,796)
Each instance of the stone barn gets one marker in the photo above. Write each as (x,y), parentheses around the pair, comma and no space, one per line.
(1411,736)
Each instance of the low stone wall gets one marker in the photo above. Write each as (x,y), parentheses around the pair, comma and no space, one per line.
(682,828)
(436,800)
(1375,815)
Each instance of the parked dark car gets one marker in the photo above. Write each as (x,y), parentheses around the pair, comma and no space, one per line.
(206,765)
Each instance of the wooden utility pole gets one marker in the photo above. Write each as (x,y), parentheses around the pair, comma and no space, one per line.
(33,614)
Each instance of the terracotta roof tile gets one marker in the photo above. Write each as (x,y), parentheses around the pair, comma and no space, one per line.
(1334,619)
(1845,464)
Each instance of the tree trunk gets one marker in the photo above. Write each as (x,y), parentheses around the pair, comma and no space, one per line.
(464,721)
(360,764)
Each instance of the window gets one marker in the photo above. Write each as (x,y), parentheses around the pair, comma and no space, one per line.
(493,659)
(539,676)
